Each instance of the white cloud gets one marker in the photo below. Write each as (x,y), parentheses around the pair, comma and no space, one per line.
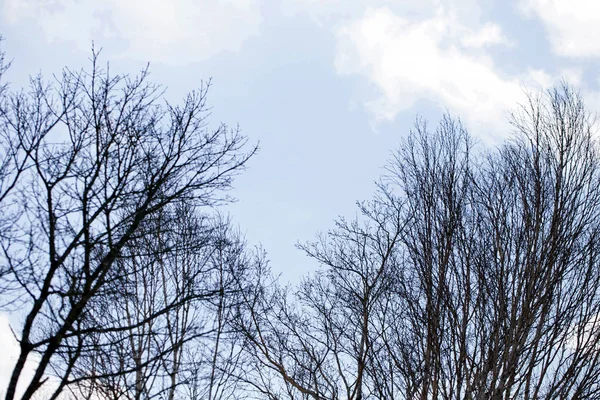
(332,10)
(175,32)
(572,25)
(438,59)
(489,35)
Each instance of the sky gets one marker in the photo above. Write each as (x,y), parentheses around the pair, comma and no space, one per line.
(327,87)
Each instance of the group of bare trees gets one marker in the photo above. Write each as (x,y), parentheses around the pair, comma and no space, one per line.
(470,274)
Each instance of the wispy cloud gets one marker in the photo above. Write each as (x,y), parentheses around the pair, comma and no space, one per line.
(176,32)
(439,59)
(572,25)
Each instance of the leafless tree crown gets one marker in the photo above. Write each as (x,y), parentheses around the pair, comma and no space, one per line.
(108,240)
(470,275)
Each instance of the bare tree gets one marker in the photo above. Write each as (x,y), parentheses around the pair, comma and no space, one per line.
(475,275)
(103,161)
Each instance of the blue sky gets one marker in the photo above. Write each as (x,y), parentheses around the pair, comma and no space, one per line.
(328,88)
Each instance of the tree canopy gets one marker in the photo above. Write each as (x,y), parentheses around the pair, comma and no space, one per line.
(471,273)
